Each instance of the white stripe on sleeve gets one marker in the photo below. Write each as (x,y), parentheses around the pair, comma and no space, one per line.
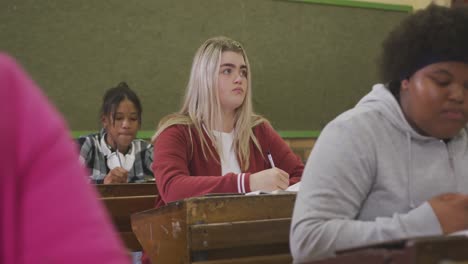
(243,183)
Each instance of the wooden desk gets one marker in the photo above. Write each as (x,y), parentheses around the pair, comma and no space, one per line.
(218,229)
(429,250)
(122,200)
(126,189)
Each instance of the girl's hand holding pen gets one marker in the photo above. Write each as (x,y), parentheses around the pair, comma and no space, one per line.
(116,175)
(269,180)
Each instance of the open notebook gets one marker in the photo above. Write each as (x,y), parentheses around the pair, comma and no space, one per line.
(460,233)
(290,189)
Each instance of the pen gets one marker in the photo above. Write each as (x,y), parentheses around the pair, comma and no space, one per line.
(270,158)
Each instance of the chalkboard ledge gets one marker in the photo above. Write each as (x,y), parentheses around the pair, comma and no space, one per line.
(359,4)
(147,134)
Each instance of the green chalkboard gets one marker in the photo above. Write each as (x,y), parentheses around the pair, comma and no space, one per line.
(309,62)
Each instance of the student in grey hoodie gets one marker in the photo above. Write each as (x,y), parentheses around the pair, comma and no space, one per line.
(396,165)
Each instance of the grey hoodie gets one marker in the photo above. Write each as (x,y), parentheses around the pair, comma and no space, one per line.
(369,177)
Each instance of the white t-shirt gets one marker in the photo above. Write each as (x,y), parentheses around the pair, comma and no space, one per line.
(229,161)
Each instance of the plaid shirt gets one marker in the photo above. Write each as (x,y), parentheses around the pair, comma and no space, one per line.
(94,151)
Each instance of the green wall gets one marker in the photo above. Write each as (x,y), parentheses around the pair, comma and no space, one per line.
(309,61)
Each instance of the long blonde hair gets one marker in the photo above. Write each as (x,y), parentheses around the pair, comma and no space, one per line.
(202,109)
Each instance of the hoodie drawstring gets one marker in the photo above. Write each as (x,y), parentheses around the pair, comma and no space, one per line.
(409,171)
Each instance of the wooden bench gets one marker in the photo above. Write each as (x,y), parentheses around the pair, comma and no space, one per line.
(122,200)
(218,229)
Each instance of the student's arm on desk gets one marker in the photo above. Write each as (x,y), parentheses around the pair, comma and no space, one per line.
(284,158)
(333,188)
(86,151)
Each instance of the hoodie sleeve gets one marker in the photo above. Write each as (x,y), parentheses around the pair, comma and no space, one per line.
(337,179)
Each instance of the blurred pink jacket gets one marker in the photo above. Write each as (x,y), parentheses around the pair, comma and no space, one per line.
(48,212)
